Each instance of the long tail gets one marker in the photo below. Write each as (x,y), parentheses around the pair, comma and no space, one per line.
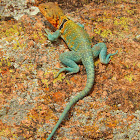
(89,65)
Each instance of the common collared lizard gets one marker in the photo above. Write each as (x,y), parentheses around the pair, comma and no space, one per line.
(80,44)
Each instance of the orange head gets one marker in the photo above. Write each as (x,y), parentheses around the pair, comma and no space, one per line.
(52,12)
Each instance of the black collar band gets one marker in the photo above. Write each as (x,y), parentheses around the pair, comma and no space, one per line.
(61,26)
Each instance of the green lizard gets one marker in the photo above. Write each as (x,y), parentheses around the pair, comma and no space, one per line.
(80,44)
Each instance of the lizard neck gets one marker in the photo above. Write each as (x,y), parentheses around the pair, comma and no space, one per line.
(62,20)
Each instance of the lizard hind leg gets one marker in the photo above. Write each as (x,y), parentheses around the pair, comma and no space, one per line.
(101,50)
(69,59)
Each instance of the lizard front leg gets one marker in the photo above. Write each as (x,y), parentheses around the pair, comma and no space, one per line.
(52,36)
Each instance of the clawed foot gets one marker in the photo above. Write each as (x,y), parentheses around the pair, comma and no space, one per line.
(70,70)
(106,61)
(114,53)
(60,70)
(47,31)
(49,35)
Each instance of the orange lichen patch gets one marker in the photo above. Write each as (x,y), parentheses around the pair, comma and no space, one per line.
(7,80)
(96,106)
(111,123)
(4,71)
(130,118)
(30,43)
(41,112)
(92,131)
(73,79)
(134,29)
(5,130)
(58,96)
(81,102)
(46,89)
(58,65)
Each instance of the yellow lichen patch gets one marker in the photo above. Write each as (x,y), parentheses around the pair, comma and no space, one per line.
(45,81)
(122,22)
(103,32)
(96,62)
(129,77)
(130,12)
(48,73)
(59,78)
(42,38)
(5,62)
(5,132)
(18,45)
(68,82)
(9,30)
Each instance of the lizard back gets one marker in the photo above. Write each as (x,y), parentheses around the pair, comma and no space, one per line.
(75,36)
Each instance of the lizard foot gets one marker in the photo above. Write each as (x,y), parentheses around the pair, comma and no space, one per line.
(54,36)
(106,61)
(60,70)
(48,35)
(47,31)
(70,70)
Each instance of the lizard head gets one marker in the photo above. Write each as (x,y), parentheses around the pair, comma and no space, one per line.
(52,12)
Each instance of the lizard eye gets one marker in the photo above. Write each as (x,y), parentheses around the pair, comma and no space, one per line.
(45,8)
